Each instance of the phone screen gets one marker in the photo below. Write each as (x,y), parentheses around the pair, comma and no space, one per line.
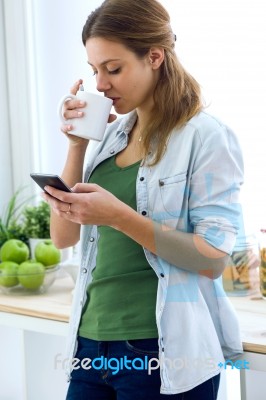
(50,180)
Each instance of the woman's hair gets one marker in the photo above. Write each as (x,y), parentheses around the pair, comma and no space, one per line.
(140,25)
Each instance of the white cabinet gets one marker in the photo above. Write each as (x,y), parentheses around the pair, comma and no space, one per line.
(33,333)
(28,348)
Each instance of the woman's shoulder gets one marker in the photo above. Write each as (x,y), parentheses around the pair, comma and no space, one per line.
(205,128)
(206,125)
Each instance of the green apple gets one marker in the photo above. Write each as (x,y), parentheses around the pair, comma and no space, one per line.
(47,254)
(31,274)
(14,250)
(8,273)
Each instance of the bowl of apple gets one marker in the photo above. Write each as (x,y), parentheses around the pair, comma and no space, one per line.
(20,274)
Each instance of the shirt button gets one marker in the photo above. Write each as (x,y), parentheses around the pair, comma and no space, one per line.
(112,152)
(91,239)
(84,271)
(162,275)
(144,213)
(161,183)
(142,179)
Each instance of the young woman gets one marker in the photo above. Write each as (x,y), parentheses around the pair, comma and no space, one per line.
(158,210)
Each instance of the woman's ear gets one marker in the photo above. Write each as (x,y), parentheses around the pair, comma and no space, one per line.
(156,57)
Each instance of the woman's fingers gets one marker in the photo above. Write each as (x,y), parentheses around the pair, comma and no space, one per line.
(72,107)
(87,188)
(66,128)
(75,87)
(52,195)
(75,112)
(112,118)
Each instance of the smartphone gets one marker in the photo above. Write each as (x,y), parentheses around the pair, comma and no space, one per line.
(50,180)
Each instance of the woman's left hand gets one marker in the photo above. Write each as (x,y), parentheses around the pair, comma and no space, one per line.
(89,204)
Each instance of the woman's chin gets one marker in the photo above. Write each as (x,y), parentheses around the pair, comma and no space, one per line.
(122,110)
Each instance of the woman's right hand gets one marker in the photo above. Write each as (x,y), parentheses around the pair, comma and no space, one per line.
(72,109)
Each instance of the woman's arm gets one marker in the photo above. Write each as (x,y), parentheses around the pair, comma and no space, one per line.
(65,233)
(185,250)
(92,204)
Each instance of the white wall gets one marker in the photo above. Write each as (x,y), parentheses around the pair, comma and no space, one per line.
(6,186)
(18,99)
(222,43)
(60,59)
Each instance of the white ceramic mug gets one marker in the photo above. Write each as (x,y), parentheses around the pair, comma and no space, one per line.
(93,123)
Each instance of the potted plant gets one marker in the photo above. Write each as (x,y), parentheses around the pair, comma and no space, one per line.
(10,221)
(36,223)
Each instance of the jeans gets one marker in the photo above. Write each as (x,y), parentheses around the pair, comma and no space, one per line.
(107,379)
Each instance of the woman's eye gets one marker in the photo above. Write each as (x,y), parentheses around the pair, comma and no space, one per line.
(115,71)
(112,72)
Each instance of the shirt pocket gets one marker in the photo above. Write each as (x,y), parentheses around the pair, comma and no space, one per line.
(171,191)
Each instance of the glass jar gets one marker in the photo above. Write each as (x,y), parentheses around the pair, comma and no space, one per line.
(241,275)
(263,263)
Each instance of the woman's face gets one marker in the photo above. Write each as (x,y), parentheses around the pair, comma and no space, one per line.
(121,76)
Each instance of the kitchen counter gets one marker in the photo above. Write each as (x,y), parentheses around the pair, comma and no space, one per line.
(53,305)
(251,312)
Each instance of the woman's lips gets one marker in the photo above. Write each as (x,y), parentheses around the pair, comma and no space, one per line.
(115,99)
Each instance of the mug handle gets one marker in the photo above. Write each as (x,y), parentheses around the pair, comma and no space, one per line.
(61,104)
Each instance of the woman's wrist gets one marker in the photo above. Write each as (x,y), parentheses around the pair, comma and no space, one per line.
(73,169)
(80,146)
(136,226)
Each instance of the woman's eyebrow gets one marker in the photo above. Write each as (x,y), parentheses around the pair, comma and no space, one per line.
(106,61)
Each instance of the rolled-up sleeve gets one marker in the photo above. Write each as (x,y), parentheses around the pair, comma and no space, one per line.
(214,208)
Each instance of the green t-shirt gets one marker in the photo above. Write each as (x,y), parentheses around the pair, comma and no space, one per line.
(122,295)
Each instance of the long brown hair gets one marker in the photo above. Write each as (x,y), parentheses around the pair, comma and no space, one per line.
(140,25)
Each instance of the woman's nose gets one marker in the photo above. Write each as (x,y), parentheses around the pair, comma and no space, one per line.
(102,83)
